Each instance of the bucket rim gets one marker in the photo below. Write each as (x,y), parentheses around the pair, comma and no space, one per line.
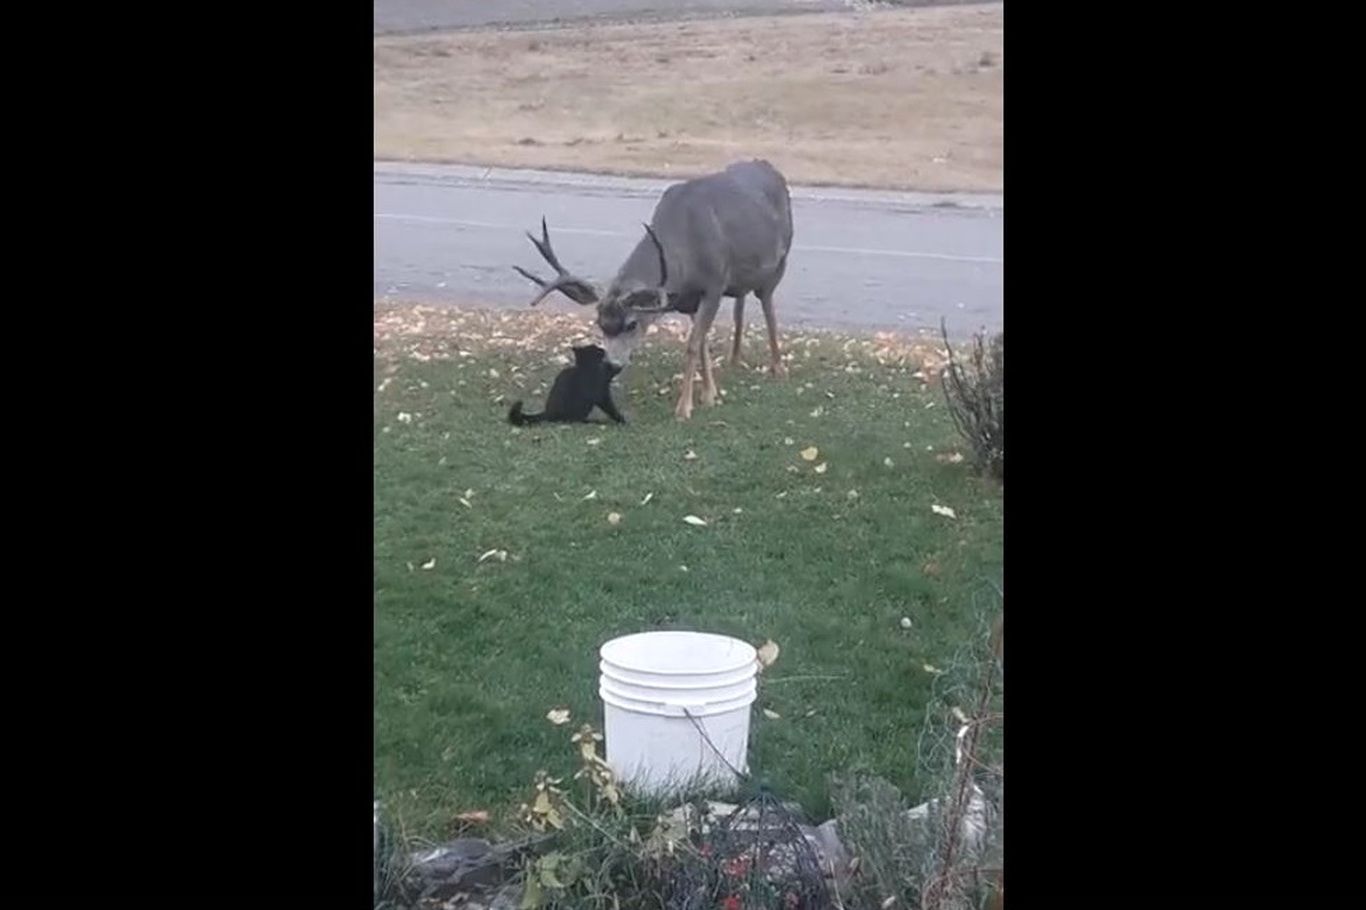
(677,681)
(663,709)
(607,649)
(691,698)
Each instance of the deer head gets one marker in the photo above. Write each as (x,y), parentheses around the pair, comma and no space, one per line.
(625,310)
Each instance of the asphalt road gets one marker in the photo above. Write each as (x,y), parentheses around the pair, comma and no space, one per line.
(861,259)
(409,16)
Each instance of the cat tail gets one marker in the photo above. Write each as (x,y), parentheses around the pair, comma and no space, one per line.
(518,419)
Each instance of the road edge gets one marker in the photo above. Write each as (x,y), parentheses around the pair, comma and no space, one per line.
(392,171)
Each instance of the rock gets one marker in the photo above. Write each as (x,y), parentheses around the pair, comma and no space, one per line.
(464,866)
(446,858)
(825,840)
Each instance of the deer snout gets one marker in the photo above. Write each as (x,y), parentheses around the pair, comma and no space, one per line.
(618,349)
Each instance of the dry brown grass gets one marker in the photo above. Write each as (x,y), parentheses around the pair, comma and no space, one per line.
(908,99)
(420,332)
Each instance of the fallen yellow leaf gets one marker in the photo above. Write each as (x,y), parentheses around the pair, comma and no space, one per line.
(768,653)
(558,716)
(695,521)
(822,468)
(614,518)
(810,453)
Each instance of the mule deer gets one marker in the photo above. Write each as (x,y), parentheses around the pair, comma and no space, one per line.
(723,235)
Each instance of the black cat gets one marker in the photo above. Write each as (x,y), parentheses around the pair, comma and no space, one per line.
(576,390)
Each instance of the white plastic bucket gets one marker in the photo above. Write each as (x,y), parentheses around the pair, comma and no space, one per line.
(661,692)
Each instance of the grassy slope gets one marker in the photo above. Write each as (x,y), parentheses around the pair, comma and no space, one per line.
(469,656)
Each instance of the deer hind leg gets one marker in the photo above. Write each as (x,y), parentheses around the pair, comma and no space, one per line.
(739,330)
(775,364)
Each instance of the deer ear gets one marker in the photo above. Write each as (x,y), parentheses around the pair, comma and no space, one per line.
(646,299)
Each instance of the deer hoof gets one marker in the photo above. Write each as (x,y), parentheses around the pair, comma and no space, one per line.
(708,398)
(684,410)
(777,371)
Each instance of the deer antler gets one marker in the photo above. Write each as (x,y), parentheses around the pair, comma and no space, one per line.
(663,306)
(576,289)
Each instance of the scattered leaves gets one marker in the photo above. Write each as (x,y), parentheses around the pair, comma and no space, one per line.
(810,453)
(822,468)
(591,494)
(771,714)
(933,670)
(500,555)
(690,455)
(695,521)
(887,462)
(430,564)
(943,510)
(405,417)
(768,653)
(646,500)
(558,716)
(788,440)
(614,518)
(905,622)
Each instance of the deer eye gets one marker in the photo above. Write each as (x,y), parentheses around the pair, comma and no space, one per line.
(631,326)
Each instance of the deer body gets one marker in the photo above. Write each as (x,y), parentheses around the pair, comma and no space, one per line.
(727,234)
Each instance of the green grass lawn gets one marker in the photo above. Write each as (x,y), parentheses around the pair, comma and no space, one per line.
(470,655)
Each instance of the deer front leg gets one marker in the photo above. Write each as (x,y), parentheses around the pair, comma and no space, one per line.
(701,325)
(739,330)
(708,380)
(683,410)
